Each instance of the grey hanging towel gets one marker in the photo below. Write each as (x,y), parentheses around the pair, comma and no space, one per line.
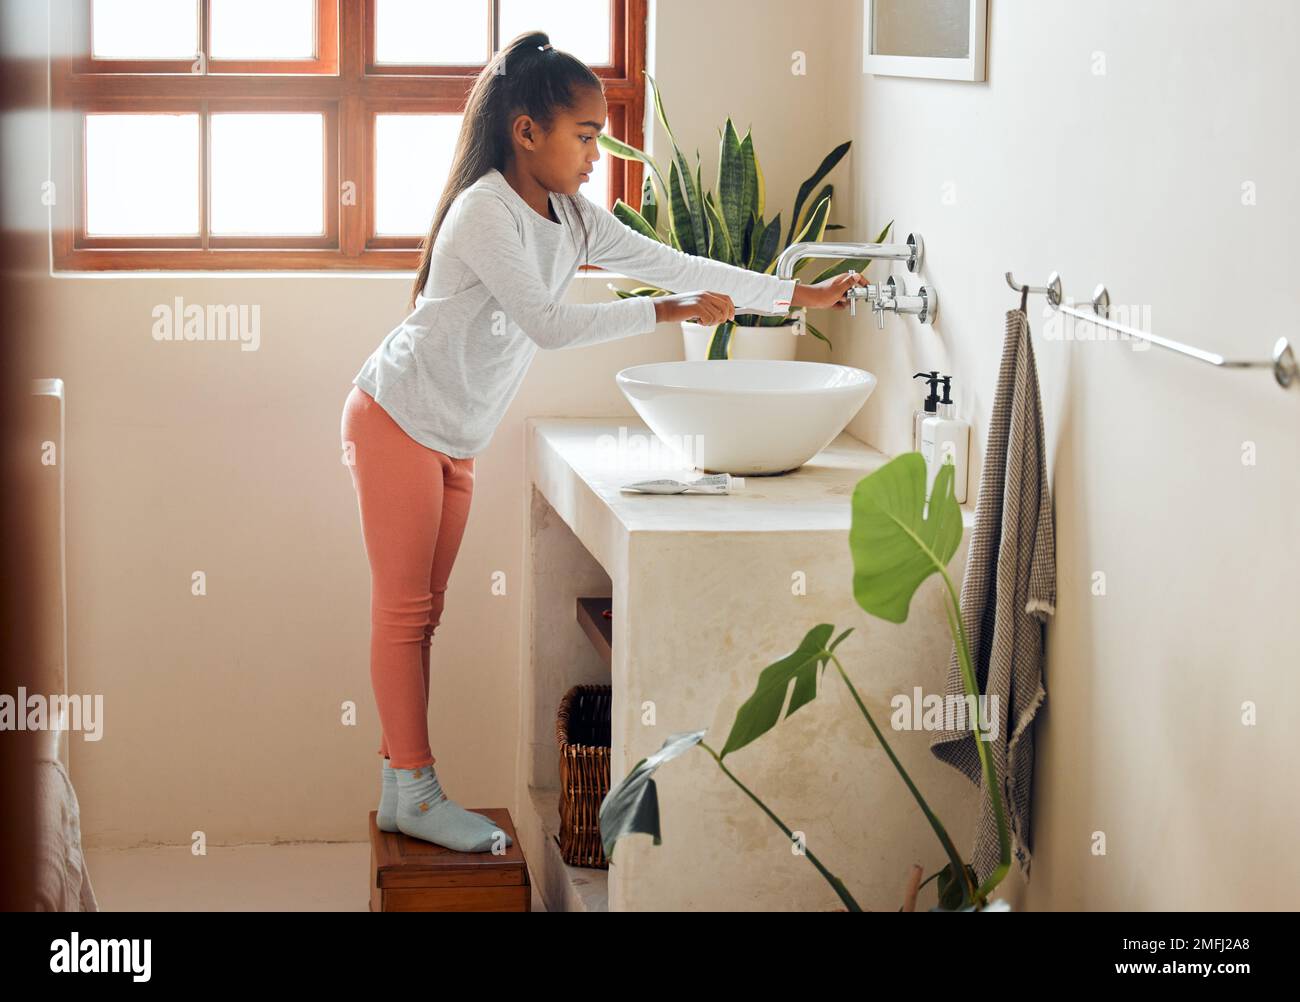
(1008,591)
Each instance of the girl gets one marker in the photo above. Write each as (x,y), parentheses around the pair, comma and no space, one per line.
(503,249)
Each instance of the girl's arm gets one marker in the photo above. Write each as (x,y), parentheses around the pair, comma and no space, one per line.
(619,247)
(484,237)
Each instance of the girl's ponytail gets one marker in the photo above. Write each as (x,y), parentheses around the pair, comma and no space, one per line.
(527,77)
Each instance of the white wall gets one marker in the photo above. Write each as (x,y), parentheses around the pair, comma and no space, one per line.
(1133,177)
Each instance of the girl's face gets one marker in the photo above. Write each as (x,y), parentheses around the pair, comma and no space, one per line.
(563,158)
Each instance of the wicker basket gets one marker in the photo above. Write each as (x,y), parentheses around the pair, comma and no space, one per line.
(583,731)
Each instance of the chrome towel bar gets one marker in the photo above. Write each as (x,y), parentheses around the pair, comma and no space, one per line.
(1283,362)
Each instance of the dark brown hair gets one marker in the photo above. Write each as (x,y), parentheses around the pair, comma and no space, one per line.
(524,78)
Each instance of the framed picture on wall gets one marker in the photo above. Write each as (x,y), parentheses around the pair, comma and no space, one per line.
(944,39)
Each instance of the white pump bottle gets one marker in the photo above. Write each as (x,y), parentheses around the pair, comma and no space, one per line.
(945,438)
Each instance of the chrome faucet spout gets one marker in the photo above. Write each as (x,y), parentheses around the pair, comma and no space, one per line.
(911,252)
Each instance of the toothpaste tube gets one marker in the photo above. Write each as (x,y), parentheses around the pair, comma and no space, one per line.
(716,483)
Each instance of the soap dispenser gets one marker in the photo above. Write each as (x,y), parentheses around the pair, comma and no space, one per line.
(930,407)
(945,438)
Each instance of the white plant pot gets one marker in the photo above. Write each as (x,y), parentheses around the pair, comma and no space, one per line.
(777,344)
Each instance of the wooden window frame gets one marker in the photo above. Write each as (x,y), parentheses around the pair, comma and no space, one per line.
(342,83)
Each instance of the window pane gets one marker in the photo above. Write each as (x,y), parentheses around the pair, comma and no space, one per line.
(144,29)
(412,160)
(258,29)
(142,175)
(268,174)
(577,26)
(421,32)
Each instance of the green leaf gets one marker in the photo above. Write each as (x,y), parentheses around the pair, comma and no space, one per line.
(895,542)
(818,334)
(756,238)
(679,213)
(632,807)
(807,188)
(690,212)
(814,230)
(642,290)
(632,219)
(849,264)
(765,256)
(732,204)
(749,165)
(722,249)
(713,242)
(618,148)
(827,193)
(649,203)
(701,214)
(720,341)
(853,264)
(762,710)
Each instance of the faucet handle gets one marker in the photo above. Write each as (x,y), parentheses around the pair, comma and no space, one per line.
(869,292)
(885,299)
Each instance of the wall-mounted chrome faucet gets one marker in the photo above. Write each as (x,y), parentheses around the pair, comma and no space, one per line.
(887,295)
(912,252)
(891,296)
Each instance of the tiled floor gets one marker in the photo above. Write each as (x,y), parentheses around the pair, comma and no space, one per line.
(301,876)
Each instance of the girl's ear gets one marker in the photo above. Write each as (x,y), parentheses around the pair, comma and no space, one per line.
(524,131)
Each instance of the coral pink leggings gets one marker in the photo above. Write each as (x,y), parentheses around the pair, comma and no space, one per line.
(414,502)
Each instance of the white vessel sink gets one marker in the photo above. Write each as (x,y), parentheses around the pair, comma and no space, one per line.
(746,416)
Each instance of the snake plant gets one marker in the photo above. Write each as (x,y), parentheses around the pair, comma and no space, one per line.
(730,226)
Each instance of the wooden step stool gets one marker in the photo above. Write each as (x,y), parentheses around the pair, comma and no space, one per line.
(412,875)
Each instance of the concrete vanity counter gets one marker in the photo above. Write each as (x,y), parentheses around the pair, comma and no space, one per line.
(705,592)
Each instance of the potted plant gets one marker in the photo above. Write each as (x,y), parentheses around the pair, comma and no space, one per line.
(896,543)
(731,226)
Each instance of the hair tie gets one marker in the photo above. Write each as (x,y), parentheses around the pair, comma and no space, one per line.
(543,48)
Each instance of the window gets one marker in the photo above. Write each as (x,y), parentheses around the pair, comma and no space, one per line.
(292,134)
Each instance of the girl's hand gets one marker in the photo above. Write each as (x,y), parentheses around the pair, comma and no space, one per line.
(707,308)
(830,294)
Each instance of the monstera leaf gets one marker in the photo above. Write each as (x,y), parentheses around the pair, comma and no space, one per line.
(762,711)
(895,541)
(633,805)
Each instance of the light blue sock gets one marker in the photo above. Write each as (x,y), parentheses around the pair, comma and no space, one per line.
(386,816)
(425,812)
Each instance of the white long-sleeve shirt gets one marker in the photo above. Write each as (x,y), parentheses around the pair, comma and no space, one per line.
(448,372)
